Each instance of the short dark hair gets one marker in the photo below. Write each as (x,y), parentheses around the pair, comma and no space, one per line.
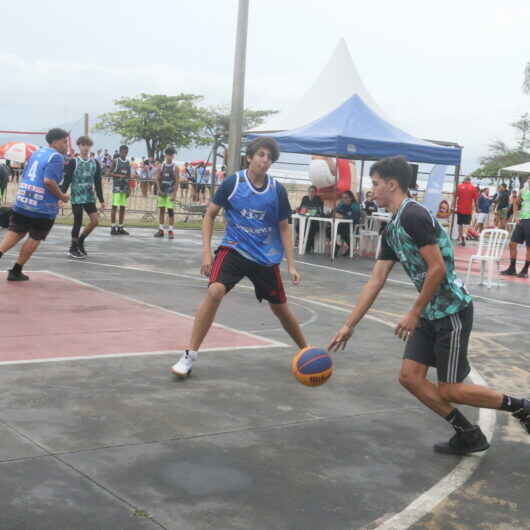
(170,151)
(394,167)
(265,142)
(312,187)
(55,134)
(124,148)
(84,140)
(350,194)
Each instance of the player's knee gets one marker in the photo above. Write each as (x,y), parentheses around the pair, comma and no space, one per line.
(216,291)
(409,380)
(278,309)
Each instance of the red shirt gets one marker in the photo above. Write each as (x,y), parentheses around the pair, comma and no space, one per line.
(466,195)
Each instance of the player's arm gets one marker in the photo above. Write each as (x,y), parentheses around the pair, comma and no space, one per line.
(366,299)
(68,175)
(207,231)
(98,185)
(53,175)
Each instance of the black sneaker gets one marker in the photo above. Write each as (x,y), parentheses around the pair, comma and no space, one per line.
(74,252)
(114,231)
(464,442)
(463,243)
(523,415)
(160,233)
(509,272)
(122,231)
(523,274)
(81,247)
(16,276)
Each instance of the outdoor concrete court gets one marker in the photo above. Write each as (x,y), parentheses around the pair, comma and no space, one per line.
(96,434)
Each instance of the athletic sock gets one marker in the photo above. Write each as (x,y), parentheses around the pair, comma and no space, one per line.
(511,404)
(82,237)
(458,421)
(113,225)
(170,228)
(525,267)
(161,227)
(17,269)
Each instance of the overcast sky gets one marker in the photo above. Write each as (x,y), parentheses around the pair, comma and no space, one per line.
(449,70)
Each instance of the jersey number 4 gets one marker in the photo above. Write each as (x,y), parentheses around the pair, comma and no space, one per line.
(32,173)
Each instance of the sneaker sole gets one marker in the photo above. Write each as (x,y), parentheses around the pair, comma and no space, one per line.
(448,451)
(181,375)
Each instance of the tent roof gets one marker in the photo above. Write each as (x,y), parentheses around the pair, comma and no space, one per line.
(353,130)
(337,82)
(518,168)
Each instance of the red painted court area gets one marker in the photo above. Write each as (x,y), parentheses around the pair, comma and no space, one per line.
(53,317)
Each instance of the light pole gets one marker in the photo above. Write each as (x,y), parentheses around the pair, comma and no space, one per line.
(238,90)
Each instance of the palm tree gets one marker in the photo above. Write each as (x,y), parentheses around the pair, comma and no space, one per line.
(526,82)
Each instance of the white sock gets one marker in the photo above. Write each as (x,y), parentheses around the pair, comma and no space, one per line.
(171,228)
(114,225)
(193,354)
(161,227)
(120,226)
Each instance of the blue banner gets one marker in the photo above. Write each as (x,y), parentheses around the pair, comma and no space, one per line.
(433,192)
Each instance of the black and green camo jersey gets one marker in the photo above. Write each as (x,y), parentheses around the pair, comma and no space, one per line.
(451,296)
(83,181)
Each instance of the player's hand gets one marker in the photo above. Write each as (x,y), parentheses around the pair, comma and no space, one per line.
(295,276)
(206,266)
(65,197)
(102,207)
(341,338)
(407,325)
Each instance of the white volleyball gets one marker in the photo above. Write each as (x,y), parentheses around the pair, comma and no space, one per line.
(320,175)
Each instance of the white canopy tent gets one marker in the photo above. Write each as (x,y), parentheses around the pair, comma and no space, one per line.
(337,82)
(518,168)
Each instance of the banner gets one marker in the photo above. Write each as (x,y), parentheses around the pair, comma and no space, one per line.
(433,193)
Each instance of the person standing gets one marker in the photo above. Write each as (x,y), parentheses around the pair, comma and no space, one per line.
(521,234)
(503,204)
(437,327)
(121,174)
(466,195)
(483,209)
(83,174)
(167,185)
(257,236)
(37,201)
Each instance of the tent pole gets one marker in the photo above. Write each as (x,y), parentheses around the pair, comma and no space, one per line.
(361,181)
(457,178)
(334,208)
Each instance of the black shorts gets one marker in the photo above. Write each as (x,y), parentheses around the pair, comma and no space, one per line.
(230,267)
(183,185)
(201,188)
(89,207)
(443,344)
(463,218)
(38,227)
(521,232)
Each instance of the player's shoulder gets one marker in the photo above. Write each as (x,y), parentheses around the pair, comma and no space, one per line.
(415,213)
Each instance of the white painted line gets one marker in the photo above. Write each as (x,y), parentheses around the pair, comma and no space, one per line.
(134,354)
(426,502)
(270,342)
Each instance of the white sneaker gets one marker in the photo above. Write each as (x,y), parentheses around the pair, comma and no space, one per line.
(183,367)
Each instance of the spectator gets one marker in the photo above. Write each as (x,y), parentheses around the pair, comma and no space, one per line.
(483,208)
(503,204)
(186,181)
(348,208)
(466,196)
(311,205)
(513,210)
(369,205)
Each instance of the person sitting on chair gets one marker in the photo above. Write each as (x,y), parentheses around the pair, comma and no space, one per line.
(311,205)
(348,208)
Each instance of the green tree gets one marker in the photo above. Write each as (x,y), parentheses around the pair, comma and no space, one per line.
(159,120)
(523,126)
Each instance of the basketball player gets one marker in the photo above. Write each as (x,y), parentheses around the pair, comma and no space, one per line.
(37,201)
(120,172)
(257,236)
(167,188)
(83,173)
(438,326)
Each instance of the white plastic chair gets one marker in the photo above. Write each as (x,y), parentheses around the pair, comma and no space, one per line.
(368,234)
(491,247)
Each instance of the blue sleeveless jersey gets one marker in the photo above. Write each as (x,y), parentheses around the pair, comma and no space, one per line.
(33,198)
(252,222)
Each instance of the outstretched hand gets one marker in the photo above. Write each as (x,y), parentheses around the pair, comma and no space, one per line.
(341,338)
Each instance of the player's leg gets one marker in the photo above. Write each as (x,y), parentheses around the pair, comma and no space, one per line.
(227,270)
(113,211)
(289,323)
(19,226)
(517,239)
(10,240)
(91,210)
(75,252)
(121,216)
(171,223)
(161,217)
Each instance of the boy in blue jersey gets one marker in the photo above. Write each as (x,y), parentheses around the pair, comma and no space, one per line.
(37,201)
(257,236)
(438,326)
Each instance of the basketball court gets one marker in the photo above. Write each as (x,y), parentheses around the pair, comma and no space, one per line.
(95,432)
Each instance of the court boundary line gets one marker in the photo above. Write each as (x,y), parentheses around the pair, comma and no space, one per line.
(438,492)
